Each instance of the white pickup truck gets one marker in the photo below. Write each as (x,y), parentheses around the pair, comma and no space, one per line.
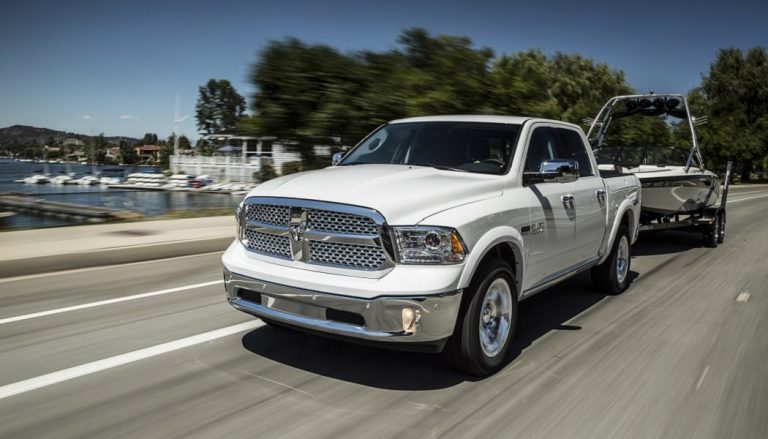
(429,232)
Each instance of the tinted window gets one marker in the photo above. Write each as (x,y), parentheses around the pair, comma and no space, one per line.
(571,146)
(541,147)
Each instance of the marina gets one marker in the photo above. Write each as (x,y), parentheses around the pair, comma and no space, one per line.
(121,196)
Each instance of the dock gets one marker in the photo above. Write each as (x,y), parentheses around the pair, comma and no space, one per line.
(39,206)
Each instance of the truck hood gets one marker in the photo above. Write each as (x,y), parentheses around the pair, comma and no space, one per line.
(404,194)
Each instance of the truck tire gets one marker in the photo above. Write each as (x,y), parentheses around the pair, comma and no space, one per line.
(486,323)
(612,275)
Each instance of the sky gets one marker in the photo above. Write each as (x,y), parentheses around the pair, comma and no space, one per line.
(116,67)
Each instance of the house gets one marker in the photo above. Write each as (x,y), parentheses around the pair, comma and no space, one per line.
(148,153)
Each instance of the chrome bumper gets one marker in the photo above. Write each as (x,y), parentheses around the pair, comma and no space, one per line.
(414,319)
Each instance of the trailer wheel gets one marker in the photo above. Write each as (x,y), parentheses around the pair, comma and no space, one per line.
(716,234)
(612,275)
(486,324)
(721,221)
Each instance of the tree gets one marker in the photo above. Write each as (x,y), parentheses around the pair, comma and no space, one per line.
(219,107)
(734,93)
(520,84)
(128,153)
(149,139)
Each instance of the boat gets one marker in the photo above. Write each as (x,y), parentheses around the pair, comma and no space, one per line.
(88,180)
(36,179)
(61,179)
(674,180)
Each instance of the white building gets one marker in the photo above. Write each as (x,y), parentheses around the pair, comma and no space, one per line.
(246,157)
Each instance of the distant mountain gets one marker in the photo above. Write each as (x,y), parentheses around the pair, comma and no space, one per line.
(22,135)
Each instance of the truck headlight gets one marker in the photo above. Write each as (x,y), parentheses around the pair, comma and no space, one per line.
(429,245)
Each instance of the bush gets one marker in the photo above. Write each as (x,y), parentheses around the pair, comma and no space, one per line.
(267,172)
(291,167)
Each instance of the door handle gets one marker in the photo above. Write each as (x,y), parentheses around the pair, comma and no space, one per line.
(568,199)
(600,193)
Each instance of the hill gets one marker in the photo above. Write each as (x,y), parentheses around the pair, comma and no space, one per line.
(23,135)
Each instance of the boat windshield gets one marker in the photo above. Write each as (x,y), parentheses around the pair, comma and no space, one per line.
(635,156)
(646,130)
(477,147)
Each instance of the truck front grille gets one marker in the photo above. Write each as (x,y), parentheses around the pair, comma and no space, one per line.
(346,255)
(319,233)
(267,214)
(264,243)
(337,222)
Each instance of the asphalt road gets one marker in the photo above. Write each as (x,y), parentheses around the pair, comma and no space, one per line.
(152,350)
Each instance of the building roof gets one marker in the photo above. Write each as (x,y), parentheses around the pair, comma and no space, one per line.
(149,148)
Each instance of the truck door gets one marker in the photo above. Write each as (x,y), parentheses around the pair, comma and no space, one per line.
(589,197)
(549,237)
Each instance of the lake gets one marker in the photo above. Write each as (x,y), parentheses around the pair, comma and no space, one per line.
(150,203)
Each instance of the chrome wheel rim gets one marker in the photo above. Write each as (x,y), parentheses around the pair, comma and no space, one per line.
(622,259)
(495,317)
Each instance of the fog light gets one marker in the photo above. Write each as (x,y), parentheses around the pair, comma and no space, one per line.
(411,318)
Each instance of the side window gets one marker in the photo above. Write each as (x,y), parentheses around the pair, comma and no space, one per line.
(540,148)
(572,147)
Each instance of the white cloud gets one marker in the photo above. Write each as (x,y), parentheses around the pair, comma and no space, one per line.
(85,116)
(129,117)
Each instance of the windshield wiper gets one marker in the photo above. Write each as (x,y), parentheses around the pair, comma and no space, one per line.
(352,163)
(440,167)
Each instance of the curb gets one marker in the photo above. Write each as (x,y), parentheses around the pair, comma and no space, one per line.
(111,256)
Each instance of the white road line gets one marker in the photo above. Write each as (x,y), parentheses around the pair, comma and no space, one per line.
(703,375)
(105,302)
(119,360)
(745,199)
(743,297)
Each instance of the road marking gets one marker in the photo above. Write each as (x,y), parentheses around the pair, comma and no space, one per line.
(746,199)
(701,380)
(277,383)
(106,302)
(743,297)
(119,360)
(100,267)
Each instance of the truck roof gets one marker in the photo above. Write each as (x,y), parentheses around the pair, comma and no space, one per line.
(487,118)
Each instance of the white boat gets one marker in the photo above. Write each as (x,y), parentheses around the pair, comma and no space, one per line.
(88,180)
(61,179)
(36,179)
(674,180)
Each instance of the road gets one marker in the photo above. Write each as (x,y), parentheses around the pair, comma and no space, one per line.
(151,349)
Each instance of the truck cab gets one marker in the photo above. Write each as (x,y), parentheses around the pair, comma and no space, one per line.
(429,232)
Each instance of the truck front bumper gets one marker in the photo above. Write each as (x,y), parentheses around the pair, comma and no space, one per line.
(416,319)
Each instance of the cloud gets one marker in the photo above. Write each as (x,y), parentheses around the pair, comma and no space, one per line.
(129,117)
(85,116)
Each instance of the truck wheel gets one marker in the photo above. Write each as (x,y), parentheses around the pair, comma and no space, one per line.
(487,322)
(612,275)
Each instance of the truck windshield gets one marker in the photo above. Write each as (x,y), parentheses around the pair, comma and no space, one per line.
(455,146)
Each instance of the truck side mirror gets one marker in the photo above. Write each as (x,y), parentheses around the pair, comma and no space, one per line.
(336,158)
(554,171)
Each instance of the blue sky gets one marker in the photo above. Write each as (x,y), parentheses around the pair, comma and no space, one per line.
(116,66)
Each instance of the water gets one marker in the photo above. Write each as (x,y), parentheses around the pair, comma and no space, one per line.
(150,203)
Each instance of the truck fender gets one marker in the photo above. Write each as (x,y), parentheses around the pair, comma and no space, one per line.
(625,206)
(497,235)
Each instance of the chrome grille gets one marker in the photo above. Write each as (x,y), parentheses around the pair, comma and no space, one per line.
(267,244)
(338,222)
(317,233)
(269,214)
(346,255)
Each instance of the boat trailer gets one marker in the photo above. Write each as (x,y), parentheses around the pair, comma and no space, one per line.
(710,221)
